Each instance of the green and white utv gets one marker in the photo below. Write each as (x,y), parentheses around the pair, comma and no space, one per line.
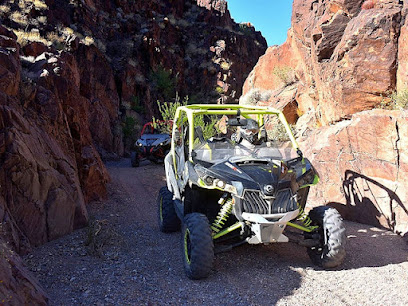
(228,189)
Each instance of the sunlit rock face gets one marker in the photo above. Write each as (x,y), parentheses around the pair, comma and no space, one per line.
(341,60)
(362,164)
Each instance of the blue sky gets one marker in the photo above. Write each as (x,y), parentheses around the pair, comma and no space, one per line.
(271,17)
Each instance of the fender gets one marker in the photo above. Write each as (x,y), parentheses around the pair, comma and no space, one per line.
(171,177)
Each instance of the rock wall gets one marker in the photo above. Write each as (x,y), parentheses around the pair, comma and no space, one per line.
(49,164)
(341,60)
(71,74)
(363,163)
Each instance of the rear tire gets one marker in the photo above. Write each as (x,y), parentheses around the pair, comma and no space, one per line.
(331,251)
(168,220)
(198,246)
(134,159)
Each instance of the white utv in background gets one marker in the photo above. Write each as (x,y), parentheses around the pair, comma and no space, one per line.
(222,193)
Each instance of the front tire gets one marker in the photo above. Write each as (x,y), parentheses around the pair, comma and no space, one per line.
(331,250)
(134,159)
(198,246)
(168,220)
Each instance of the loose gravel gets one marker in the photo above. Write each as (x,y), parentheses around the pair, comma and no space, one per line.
(123,259)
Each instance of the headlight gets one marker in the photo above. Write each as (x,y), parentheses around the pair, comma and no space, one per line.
(220,184)
(163,143)
(211,181)
(208,180)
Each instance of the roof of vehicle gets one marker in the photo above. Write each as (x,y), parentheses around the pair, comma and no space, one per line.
(232,109)
(228,109)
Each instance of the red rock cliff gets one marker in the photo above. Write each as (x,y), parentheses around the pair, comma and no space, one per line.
(339,62)
(71,74)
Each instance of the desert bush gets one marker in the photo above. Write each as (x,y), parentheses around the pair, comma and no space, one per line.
(395,100)
(225,65)
(400,99)
(4,9)
(23,37)
(219,90)
(254,96)
(103,237)
(285,74)
(19,18)
(276,130)
(245,28)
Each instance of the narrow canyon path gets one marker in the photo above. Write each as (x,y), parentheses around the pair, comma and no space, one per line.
(123,259)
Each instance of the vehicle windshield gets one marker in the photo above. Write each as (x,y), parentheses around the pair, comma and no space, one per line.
(220,150)
(273,143)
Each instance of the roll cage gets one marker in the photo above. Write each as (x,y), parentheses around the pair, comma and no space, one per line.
(184,123)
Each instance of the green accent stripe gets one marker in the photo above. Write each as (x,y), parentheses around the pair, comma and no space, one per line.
(303,228)
(161,209)
(228,230)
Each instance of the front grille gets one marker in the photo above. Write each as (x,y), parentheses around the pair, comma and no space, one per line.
(253,202)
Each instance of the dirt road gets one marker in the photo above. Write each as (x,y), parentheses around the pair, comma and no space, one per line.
(129,262)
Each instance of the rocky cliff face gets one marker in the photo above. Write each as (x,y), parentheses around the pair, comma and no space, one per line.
(73,72)
(78,76)
(342,59)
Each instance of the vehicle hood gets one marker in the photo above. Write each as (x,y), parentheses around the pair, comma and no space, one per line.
(152,139)
(254,174)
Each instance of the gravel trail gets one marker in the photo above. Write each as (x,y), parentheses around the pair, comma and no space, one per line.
(123,259)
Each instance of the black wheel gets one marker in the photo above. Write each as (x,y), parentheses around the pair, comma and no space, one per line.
(198,246)
(331,233)
(168,220)
(134,159)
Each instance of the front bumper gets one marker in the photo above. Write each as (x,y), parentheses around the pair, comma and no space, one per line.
(266,216)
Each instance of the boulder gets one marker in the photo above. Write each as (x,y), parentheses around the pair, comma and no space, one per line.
(362,68)
(362,164)
(17,285)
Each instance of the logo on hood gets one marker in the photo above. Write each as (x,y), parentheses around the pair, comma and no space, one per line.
(268,189)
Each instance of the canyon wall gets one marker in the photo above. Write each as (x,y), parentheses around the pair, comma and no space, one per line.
(341,77)
(78,79)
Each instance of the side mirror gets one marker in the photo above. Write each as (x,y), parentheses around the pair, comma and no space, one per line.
(237,122)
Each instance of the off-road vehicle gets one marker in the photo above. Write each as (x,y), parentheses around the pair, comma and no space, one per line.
(223,191)
(152,145)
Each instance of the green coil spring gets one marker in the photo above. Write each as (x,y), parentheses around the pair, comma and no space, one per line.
(303,217)
(222,216)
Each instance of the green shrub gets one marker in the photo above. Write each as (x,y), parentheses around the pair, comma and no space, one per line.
(400,99)
(136,106)
(163,82)
(219,90)
(245,29)
(395,101)
(168,111)
(129,127)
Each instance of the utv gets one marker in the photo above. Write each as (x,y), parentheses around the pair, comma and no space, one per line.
(223,192)
(152,145)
